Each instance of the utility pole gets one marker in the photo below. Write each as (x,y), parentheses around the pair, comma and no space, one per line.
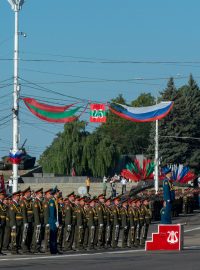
(16,6)
(156,171)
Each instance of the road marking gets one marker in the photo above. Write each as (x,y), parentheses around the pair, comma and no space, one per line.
(72,255)
(194,229)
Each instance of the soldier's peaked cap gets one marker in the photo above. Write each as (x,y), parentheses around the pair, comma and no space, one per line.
(28,189)
(48,191)
(39,190)
(17,193)
(71,194)
(101,196)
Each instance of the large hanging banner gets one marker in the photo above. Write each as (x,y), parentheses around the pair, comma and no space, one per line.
(98,113)
(142,114)
(54,114)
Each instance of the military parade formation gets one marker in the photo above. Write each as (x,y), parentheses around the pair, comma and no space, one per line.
(47,222)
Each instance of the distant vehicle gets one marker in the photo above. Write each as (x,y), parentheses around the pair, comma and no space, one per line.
(27,162)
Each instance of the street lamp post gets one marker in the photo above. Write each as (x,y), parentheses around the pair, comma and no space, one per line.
(16,5)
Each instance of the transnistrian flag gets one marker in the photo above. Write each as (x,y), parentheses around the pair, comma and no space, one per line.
(49,113)
(98,113)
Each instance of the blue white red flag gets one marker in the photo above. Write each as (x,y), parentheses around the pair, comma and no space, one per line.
(142,114)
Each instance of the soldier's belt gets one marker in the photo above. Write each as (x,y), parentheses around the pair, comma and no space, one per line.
(30,212)
(135,219)
(19,218)
(3,217)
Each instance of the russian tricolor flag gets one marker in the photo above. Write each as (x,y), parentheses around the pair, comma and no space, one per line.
(142,114)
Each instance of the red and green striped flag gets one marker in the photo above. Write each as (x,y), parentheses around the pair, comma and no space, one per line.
(49,113)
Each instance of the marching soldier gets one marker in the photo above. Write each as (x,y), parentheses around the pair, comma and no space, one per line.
(91,217)
(140,221)
(124,222)
(147,220)
(109,223)
(16,222)
(46,219)
(80,222)
(61,220)
(133,218)
(38,221)
(100,210)
(27,213)
(2,220)
(116,222)
(68,226)
(6,240)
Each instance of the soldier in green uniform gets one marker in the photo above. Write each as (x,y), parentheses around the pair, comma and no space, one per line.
(124,222)
(46,220)
(109,223)
(116,222)
(133,219)
(137,222)
(68,225)
(91,217)
(6,240)
(16,223)
(2,220)
(38,213)
(100,232)
(61,220)
(147,219)
(26,205)
(80,223)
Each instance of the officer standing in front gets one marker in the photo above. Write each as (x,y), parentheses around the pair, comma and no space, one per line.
(168,194)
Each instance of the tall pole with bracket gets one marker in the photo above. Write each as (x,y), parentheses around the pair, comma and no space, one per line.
(16,6)
(156,170)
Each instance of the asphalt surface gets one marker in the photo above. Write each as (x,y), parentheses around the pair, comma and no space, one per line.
(121,259)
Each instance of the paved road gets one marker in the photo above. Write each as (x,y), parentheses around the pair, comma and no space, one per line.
(188,259)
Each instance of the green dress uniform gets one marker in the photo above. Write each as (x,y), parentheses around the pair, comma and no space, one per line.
(3,210)
(46,225)
(109,226)
(91,217)
(116,226)
(28,219)
(100,232)
(16,226)
(133,218)
(38,213)
(60,232)
(69,227)
(140,225)
(7,231)
(79,228)
(147,222)
(124,226)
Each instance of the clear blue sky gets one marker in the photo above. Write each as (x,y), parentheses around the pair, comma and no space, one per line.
(79,30)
